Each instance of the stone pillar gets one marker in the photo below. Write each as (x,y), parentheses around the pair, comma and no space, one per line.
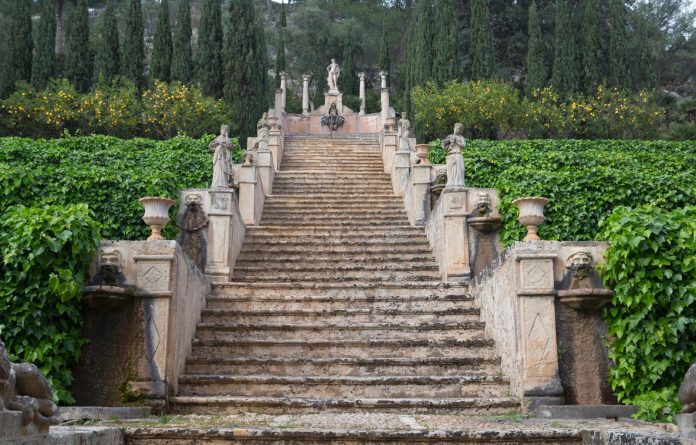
(220,214)
(266,169)
(420,211)
(401,171)
(275,141)
(385,104)
(248,194)
(456,235)
(305,93)
(536,326)
(390,144)
(278,103)
(284,87)
(362,93)
(383,77)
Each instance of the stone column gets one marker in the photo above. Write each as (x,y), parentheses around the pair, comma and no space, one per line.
(284,87)
(305,93)
(249,194)
(266,169)
(385,104)
(383,77)
(536,328)
(276,141)
(456,235)
(362,93)
(220,214)
(390,144)
(420,177)
(278,103)
(401,171)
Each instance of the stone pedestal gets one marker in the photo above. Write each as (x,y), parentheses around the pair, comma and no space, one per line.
(305,93)
(402,169)
(333,96)
(390,144)
(534,276)
(278,108)
(220,225)
(455,244)
(266,168)
(420,177)
(250,195)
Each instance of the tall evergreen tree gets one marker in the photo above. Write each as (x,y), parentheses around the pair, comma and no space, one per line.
(384,60)
(482,52)
(107,59)
(246,66)
(20,46)
(420,60)
(161,64)
(209,55)
(591,48)
(44,66)
(446,61)
(619,72)
(645,76)
(182,59)
(280,55)
(349,75)
(133,56)
(537,71)
(283,15)
(78,66)
(566,78)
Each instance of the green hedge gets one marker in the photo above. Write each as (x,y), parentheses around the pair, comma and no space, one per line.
(107,173)
(45,253)
(585,180)
(651,265)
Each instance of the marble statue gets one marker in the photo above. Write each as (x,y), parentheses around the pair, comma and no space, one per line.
(221,147)
(404,133)
(23,388)
(262,133)
(454,144)
(334,73)
(687,391)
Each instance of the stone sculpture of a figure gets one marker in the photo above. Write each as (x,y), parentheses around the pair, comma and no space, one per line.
(454,144)
(262,133)
(334,73)
(221,147)
(191,236)
(404,133)
(687,391)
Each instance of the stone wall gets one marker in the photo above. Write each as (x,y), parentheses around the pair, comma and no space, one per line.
(354,123)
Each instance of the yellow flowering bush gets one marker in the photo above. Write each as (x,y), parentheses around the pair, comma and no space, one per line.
(28,112)
(112,109)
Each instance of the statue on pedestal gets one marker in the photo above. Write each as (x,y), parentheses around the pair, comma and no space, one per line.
(262,133)
(334,73)
(454,144)
(221,147)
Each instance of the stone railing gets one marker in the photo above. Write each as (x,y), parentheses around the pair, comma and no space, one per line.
(548,331)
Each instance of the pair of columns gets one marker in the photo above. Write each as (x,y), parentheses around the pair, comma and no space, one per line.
(306,78)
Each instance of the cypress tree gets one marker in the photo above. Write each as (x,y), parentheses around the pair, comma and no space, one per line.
(133,56)
(283,16)
(280,56)
(591,49)
(209,57)
(78,68)
(246,66)
(20,46)
(566,79)
(349,75)
(44,66)
(537,72)
(619,72)
(161,65)
(182,59)
(646,59)
(420,48)
(482,53)
(446,61)
(384,62)
(107,60)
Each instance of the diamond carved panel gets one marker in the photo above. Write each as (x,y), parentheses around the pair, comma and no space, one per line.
(153,276)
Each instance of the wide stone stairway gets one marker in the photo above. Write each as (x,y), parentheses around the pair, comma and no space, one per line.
(336,303)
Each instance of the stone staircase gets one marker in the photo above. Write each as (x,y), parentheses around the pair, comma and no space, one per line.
(336,304)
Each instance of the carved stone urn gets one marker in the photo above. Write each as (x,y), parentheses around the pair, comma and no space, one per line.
(156,214)
(531,214)
(422,153)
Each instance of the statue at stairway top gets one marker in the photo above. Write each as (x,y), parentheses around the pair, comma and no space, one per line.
(221,146)
(454,144)
(334,73)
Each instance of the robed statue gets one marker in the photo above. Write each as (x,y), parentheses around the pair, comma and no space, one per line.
(454,144)
(221,146)
(334,73)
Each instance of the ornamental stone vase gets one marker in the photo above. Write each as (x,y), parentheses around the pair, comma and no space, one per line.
(422,153)
(531,214)
(156,214)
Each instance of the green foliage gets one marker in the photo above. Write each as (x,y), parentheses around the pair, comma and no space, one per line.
(107,58)
(684,126)
(209,54)
(349,76)
(182,59)
(18,49)
(280,56)
(133,56)
(537,71)
(482,53)
(44,66)
(45,253)
(565,79)
(107,173)
(447,60)
(619,72)
(651,266)
(591,45)
(585,180)
(78,66)
(161,64)
(384,60)
(245,67)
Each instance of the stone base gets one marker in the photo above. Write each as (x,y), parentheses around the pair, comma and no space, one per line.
(687,428)
(12,431)
(532,403)
(69,413)
(586,411)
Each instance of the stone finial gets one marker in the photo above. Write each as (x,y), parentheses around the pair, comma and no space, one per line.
(362,76)
(306,77)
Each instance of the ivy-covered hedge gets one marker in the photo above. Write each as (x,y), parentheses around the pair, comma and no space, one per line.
(651,266)
(585,180)
(107,173)
(45,252)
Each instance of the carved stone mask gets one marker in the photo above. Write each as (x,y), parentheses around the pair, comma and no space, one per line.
(483,202)
(580,266)
(110,265)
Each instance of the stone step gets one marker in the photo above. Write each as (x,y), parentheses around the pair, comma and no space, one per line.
(341,366)
(304,222)
(344,252)
(336,316)
(276,212)
(347,276)
(331,244)
(368,169)
(412,348)
(336,197)
(344,386)
(341,262)
(283,405)
(331,268)
(363,289)
(265,230)
(321,238)
(343,331)
(292,302)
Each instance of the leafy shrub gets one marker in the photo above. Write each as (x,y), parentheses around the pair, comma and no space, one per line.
(45,254)
(107,173)
(651,265)
(684,126)
(112,109)
(35,113)
(585,180)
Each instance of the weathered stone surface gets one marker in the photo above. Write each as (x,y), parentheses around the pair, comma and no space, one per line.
(68,413)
